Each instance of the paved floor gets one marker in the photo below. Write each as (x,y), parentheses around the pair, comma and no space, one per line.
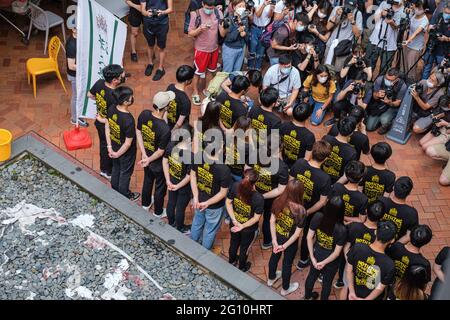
(48,115)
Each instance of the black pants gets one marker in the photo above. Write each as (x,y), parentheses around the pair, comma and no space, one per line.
(267,237)
(342,263)
(328,272)
(341,108)
(154,176)
(241,240)
(122,170)
(176,206)
(304,252)
(105,160)
(286,271)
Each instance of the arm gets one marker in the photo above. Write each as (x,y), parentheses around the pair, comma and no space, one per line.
(273,232)
(318,205)
(293,238)
(169,8)
(252,221)
(348,220)
(415,34)
(274,44)
(302,66)
(406,238)
(422,104)
(275,192)
(140,142)
(308,155)
(108,137)
(376,292)
(132,5)
(226,86)
(313,10)
(155,156)
(72,66)
(333,256)
(230,211)
(218,197)
(438,271)
(165,164)
(328,102)
(310,242)
(180,121)
(343,93)
(124,148)
(194,189)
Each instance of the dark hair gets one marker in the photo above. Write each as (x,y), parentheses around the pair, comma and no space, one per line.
(285,59)
(185,73)
(122,94)
(418,3)
(325,5)
(239,84)
(301,17)
(321,150)
(320,69)
(302,111)
(333,213)
(403,187)
(420,235)
(243,123)
(357,112)
(245,187)
(381,152)
(355,171)
(358,48)
(346,126)
(268,97)
(375,211)
(291,198)
(211,117)
(413,283)
(209,2)
(360,75)
(255,77)
(393,72)
(111,72)
(386,231)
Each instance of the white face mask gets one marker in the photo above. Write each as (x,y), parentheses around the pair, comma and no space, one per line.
(418,12)
(322,79)
(321,15)
(240,11)
(430,84)
(300,28)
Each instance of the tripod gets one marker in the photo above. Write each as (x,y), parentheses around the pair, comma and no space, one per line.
(400,57)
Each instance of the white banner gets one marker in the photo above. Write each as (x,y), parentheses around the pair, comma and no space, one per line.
(100,41)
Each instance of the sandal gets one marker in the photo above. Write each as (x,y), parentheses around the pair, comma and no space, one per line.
(196,100)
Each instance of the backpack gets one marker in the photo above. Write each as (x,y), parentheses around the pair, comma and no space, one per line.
(267,35)
(193,6)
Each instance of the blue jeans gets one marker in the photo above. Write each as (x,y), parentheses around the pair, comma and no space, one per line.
(315,121)
(205,226)
(385,119)
(232,58)
(429,60)
(256,49)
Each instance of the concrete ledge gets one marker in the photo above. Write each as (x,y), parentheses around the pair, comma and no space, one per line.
(242,282)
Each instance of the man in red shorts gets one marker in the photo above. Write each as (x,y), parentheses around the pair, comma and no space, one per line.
(205,26)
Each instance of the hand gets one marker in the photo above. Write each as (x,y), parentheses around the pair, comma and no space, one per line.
(319,113)
(352,60)
(442,123)
(352,296)
(144,162)
(314,262)
(159,12)
(149,13)
(383,13)
(381,94)
(387,101)
(406,42)
(241,29)
(285,11)
(202,206)
(237,227)
(313,29)
(414,93)
(362,127)
(350,87)
(112,154)
(267,3)
(320,265)
(313,52)
(203,27)
(339,11)
(351,18)
(294,47)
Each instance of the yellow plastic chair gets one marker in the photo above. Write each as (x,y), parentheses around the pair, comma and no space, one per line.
(39,66)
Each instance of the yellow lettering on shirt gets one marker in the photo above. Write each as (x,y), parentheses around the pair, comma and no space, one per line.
(175,167)
(333,164)
(204,180)
(172,112)
(324,240)
(242,210)
(148,135)
(366,274)
(226,114)
(291,146)
(284,223)
(373,190)
(114,129)
(264,182)
(100,102)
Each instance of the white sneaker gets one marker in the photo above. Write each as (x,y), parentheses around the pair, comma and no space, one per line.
(105,175)
(146,208)
(292,287)
(277,277)
(162,215)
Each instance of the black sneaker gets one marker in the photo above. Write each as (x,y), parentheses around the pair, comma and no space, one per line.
(246,267)
(186,230)
(134,57)
(302,264)
(148,70)
(339,284)
(329,122)
(384,129)
(314,296)
(159,74)
(134,196)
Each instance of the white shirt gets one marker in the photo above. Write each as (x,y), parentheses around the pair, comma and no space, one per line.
(279,7)
(419,41)
(346,32)
(273,76)
(380,29)
(264,19)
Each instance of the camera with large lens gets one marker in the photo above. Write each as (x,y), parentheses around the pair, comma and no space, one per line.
(359,62)
(357,87)
(226,22)
(390,13)
(281,104)
(273,2)
(389,91)
(153,12)
(346,10)
(436,116)
(390,2)
(419,88)
(250,4)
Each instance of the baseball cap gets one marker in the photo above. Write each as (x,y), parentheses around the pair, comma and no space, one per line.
(162,99)
(350,3)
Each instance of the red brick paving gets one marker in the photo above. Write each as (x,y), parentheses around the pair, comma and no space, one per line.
(49,116)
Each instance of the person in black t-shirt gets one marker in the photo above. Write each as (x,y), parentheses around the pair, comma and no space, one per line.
(355,63)
(441,268)
(232,107)
(264,120)
(359,139)
(378,181)
(355,201)
(177,163)
(341,151)
(413,285)
(210,181)
(153,135)
(135,20)
(120,135)
(369,270)
(238,153)
(404,216)
(359,232)
(180,108)
(245,206)
(286,223)
(71,57)
(409,254)
(296,139)
(317,185)
(326,238)
(101,92)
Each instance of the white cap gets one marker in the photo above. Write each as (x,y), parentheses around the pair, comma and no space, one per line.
(162,99)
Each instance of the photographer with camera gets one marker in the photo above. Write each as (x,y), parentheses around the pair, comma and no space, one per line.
(306,58)
(345,24)
(205,26)
(355,63)
(318,25)
(426,95)
(438,41)
(236,27)
(415,43)
(156,27)
(261,19)
(286,79)
(287,9)
(388,92)
(283,40)
(440,120)
(383,41)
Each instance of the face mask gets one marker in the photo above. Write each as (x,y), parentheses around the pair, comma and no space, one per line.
(321,15)
(240,11)
(285,70)
(131,101)
(322,79)
(430,84)
(122,80)
(418,12)
(446,16)
(308,48)
(387,82)
(300,28)
(208,11)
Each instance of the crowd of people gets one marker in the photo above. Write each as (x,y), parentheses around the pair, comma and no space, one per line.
(261,69)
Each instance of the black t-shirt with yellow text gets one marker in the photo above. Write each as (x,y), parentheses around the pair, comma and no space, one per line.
(376,182)
(263,120)
(231,109)
(296,141)
(403,258)
(178,167)
(180,106)
(103,97)
(210,179)
(236,160)
(286,223)
(358,232)
(404,216)
(244,211)
(121,126)
(341,155)
(269,180)
(358,140)
(355,201)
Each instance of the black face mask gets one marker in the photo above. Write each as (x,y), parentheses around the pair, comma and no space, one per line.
(122,80)
(131,101)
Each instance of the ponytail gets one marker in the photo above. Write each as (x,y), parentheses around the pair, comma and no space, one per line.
(245,187)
